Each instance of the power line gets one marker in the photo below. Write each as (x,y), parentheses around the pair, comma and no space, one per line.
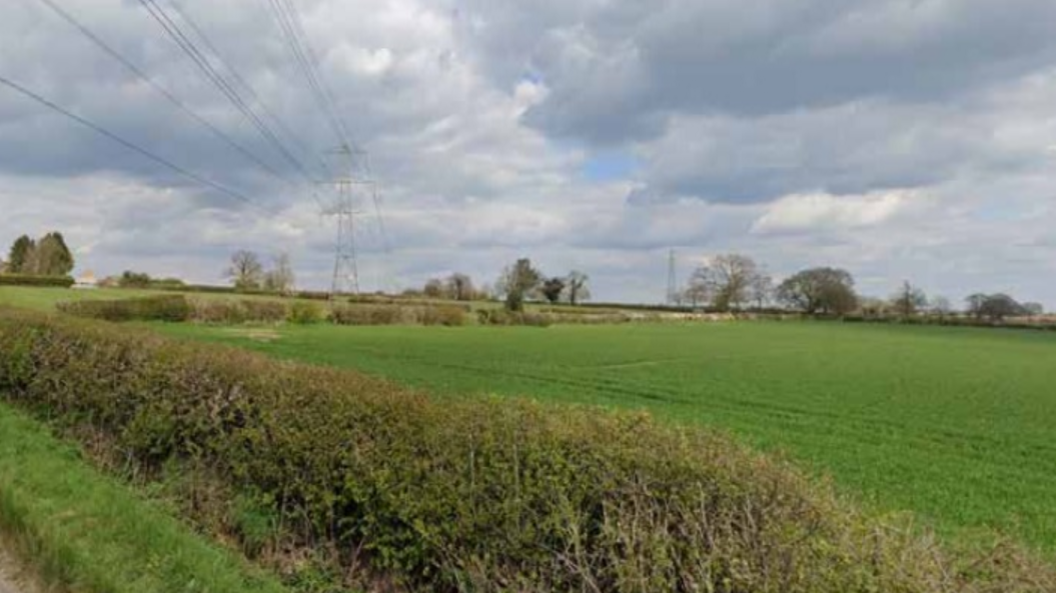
(162,91)
(130,145)
(254,97)
(188,46)
(289,22)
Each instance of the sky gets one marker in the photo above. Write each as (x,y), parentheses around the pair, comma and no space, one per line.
(899,139)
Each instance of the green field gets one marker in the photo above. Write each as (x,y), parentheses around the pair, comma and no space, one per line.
(955,424)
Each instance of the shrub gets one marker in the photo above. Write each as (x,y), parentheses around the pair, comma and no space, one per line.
(172,308)
(450,316)
(218,312)
(476,495)
(305,313)
(504,317)
(366,315)
(28,280)
(264,311)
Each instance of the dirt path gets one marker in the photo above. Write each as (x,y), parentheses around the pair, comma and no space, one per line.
(12,579)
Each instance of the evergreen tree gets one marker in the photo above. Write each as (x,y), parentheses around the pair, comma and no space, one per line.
(52,257)
(20,254)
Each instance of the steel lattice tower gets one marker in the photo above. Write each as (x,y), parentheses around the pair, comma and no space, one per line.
(357,183)
(672,280)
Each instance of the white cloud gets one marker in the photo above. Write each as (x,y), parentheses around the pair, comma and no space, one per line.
(804,213)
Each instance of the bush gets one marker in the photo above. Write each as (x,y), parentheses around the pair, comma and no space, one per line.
(477,495)
(218,312)
(305,313)
(264,311)
(171,308)
(232,312)
(28,280)
(504,317)
(366,315)
(450,316)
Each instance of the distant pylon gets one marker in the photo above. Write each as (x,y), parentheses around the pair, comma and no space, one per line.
(346,207)
(672,279)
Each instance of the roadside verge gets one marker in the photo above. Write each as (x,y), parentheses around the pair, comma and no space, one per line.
(82,531)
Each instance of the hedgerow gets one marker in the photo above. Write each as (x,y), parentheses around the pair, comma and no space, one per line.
(30,280)
(172,308)
(448,315)
(477,494)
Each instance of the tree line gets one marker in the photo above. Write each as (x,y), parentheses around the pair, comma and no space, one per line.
(46,256)
(733,282)
(519,282)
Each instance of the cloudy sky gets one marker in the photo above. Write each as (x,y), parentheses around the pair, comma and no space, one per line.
(900,139)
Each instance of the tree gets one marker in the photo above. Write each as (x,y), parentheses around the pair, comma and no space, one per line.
(130,279)
(909,300)
(433,289)
(977,305)
(280,278)
(1034,309)
(20,253)
(246,270)
(819,290)
(517,281)
(552,289)
(696,292)
(49,257)
(761,291)
(576,282)
(995,307)
(729,280)
(941,306)
(460,287)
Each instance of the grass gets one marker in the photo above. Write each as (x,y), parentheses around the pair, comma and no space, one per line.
(85,532)
(954,424)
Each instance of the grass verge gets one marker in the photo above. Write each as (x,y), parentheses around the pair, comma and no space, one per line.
(87,533)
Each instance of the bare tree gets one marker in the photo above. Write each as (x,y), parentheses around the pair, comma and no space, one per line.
(730,280)
(909,300)
(696,293)
(460,287)
(761,291)
(280,278)
(246,270)
(577,288)
(941,306)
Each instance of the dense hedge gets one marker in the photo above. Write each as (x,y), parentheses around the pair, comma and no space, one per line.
(173,308)
(28,280)
(475,495)
(398,314)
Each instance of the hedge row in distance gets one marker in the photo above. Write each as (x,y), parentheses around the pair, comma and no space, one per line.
(29,280)
(477,494)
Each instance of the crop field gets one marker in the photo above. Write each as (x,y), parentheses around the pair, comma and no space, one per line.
(953,424)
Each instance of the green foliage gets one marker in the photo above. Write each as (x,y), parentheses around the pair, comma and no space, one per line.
(517,282)
(507,317)
(29,280)
(448,315)
(476,495)
(130,279)
(305,313)
(171,308)
(19,255)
